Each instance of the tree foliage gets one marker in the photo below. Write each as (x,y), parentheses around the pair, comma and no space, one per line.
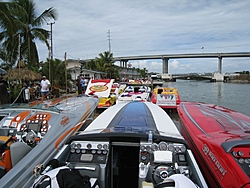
(104,63)
(20,28)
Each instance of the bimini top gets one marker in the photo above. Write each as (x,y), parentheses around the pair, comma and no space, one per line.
(134,117)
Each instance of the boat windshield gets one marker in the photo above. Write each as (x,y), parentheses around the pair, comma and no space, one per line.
(37,106)
(125,129)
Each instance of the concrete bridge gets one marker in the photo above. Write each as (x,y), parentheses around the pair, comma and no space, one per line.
(165,58)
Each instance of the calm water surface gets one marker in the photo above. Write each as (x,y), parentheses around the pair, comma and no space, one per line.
(230,95)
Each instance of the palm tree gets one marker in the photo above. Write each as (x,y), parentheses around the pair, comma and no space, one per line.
(8,28)
(20,25)
(91,65)
(105,63)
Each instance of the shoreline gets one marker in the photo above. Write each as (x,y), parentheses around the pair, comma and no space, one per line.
(238,81)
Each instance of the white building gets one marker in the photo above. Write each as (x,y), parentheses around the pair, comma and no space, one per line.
(74,68)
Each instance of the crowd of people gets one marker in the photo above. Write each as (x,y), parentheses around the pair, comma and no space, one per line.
(36,90)
(43,90)
(24,92)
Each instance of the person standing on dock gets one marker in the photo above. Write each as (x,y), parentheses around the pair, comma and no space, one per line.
(83,84)
(45,84)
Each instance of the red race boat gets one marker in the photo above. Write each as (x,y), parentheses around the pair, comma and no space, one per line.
(220,140)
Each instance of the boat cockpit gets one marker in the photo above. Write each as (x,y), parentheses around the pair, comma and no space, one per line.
(128,156)
(129,160)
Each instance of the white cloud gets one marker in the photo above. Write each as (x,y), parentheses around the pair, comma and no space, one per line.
(174,65)
(152,28)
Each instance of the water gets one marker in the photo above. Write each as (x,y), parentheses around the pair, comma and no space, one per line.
(230,95)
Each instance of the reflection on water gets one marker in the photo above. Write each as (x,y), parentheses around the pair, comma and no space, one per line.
(230,95)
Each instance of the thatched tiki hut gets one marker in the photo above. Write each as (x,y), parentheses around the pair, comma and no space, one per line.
(21,73)
(17,76)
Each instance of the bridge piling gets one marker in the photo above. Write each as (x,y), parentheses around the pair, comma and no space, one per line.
(165,65)
(219,64)
(124,63)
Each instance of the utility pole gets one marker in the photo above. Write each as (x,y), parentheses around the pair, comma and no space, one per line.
(19,54)
(51,46)
(65,61)
(108,34)
(66,73)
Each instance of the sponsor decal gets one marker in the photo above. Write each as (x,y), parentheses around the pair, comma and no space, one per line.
(65,121)
(220,171)
(98,88)
(166,99)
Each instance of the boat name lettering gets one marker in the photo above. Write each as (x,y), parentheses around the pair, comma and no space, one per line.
(205,149)
(212,157)
(65,121)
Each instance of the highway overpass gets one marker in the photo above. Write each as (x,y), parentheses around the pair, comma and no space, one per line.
(165,58)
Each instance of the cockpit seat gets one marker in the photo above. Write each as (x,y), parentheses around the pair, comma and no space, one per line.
(65,176)
(2,171)
(1,142)
(129,89)
(17,151)
(176,181)
(94,183)
(142,90)
(5,154)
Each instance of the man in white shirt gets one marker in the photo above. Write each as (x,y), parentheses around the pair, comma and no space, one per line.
(45,84)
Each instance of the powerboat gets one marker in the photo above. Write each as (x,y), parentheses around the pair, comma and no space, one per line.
(121,87)
(33,132)
(135,91)
(220,140)
(133,144)
(157,80)
(105,89)
(166,97)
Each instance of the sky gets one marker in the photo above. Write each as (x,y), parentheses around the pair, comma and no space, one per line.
(86,28)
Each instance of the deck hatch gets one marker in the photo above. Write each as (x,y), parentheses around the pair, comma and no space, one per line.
(133,122)
(134,114)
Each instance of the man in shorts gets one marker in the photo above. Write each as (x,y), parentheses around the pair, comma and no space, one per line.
(45,84)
